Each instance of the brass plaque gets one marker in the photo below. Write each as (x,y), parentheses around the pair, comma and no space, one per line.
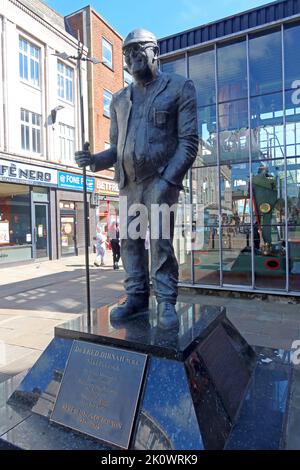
(99,392)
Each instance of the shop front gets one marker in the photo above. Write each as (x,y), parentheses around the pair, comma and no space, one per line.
(106,201)
(25,194)
(71,214)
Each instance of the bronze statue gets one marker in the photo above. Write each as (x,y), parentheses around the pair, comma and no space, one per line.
(154,141)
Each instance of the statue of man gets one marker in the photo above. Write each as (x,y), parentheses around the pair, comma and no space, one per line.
(154,141)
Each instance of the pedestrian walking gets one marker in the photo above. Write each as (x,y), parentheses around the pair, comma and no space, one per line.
(100,247)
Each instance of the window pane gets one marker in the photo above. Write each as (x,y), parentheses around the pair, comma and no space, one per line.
(234,132)
(232,71)
(16,212)
(265,63)
(236,255)
(21,67)
(23,144)
(207,256)
(127,77)
(291,37)
(267,127)
(27,138)
(294,256)
(268,186)
(25,75)
(202,72)
(207,151)
(293,191)
(174,66)
(270,256)
(106,52)
(205,185)
(107,96)
(182,234)
(235,204)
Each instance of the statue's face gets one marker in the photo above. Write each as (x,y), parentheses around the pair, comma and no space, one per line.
(140,59)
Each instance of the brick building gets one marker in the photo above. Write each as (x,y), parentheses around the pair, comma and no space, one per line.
(104,79)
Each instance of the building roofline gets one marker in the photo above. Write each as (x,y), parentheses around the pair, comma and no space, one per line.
(99,16)
(226,18)
(45,19)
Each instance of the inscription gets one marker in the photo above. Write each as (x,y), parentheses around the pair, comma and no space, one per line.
(99,392)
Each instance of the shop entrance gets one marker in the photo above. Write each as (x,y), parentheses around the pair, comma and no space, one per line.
(41,230)
(68,234)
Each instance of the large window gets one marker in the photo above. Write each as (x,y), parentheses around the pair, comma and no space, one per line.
(29,62)
(107,53)
(202,72)
(265,63)
(15,222)
(66,143)
(174,66)
(232,71)
(107,97)
(267,140)
(233,131)
(65,78)
(245,181)
(30,131)
(127,78)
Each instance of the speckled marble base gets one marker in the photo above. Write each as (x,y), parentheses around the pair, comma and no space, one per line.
(204,387)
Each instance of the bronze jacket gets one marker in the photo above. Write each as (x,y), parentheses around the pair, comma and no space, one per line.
(171,135)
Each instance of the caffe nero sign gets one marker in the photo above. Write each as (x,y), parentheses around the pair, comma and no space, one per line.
(27,174)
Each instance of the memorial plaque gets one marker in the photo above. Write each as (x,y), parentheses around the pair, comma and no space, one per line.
(226,368)
(99,392)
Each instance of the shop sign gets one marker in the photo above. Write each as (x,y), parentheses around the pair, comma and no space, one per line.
(106,187)
(75,182)
(27,174)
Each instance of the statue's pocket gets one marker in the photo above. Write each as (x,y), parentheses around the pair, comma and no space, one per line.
(161,118)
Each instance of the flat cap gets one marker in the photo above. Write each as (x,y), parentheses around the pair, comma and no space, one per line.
(139,35)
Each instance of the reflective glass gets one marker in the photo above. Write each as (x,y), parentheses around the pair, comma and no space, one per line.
(207,256)
(205,186)
(294,255)
(265,63)
(291,37)
(292,117)
(232,71)
(270,256)
(174,66)
(207,151)
(235,204)
(202,72)
(268,187)
(293,191)
(267,140)
(182,234)
(236,254)
(15,215)
(234,131)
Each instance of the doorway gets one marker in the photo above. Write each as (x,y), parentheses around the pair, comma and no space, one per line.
(68,234)
(41,230)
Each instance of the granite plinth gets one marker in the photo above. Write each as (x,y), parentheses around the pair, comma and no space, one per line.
(204,387)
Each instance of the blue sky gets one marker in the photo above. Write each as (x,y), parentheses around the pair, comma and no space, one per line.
(163,17)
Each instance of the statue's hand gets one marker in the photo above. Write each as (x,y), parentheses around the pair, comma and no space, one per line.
(165,191)
(84,158)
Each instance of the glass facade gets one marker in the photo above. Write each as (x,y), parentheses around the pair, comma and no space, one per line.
(15,223)
(244,188)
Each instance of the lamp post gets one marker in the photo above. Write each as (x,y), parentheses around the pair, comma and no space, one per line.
(85,146)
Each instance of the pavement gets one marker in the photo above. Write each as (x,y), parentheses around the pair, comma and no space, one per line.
(36,297)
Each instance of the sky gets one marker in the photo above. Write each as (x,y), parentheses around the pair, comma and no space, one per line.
(162,17)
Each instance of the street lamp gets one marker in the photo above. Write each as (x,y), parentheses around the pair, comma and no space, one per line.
(85,145)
